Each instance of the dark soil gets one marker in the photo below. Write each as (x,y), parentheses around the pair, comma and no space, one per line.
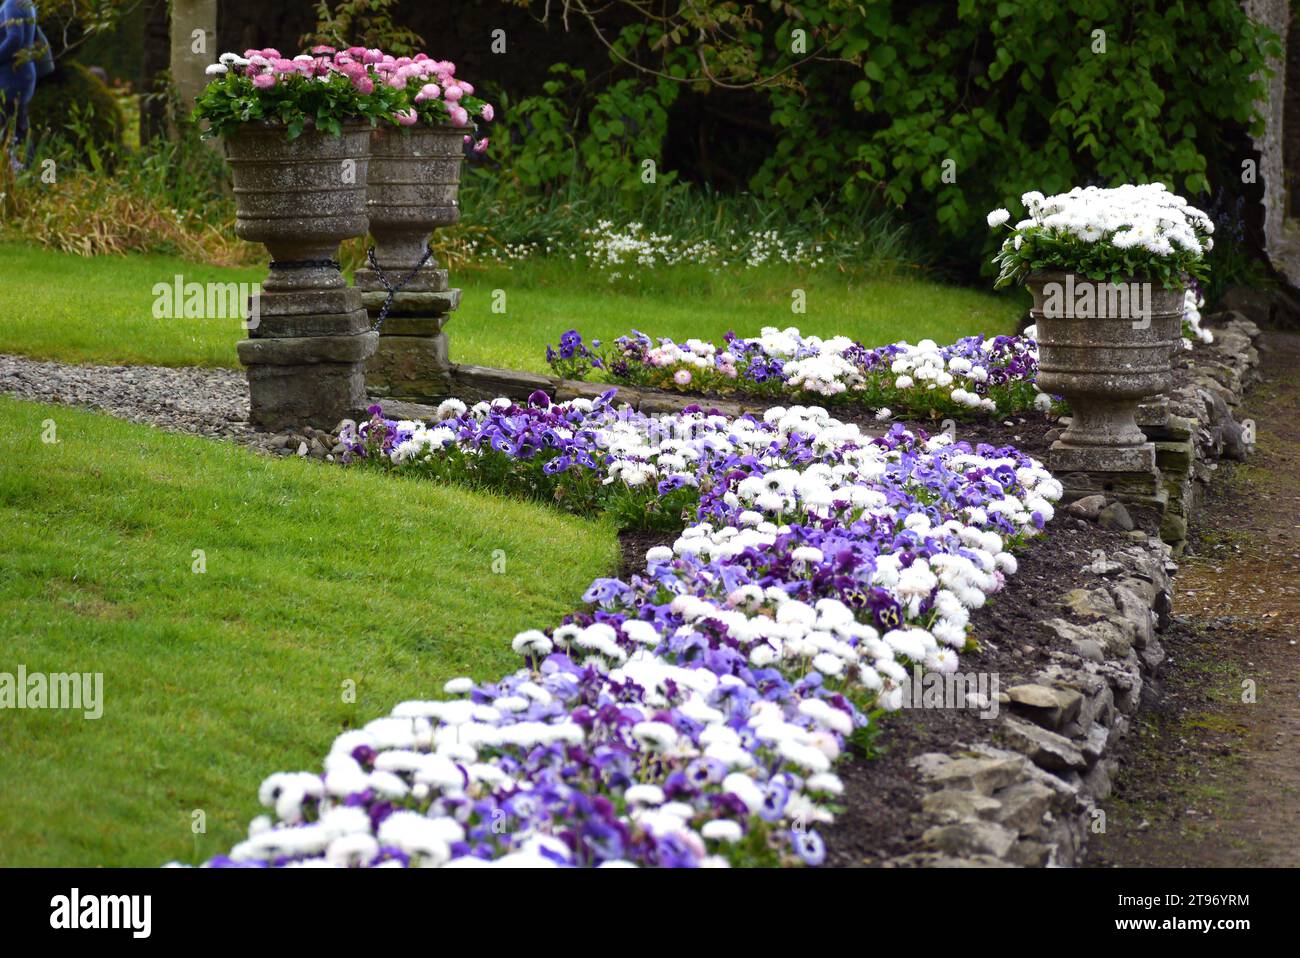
(635,544)
(881,810)
(880,815)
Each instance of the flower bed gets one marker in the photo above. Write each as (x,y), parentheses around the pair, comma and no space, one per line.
(690,715)
(328,87)
(926,380)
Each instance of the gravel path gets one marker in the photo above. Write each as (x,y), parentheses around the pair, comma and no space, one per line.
(204,402)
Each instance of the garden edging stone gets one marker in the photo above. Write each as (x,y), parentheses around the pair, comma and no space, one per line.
(1027,793)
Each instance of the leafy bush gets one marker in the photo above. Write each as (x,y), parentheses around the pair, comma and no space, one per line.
(946,107)
(75,105)
(603,135)
(167,198)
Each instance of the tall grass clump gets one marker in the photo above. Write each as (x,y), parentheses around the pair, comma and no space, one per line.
(168,197)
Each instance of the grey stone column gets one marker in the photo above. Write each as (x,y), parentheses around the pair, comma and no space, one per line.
(1111,365)
(413,189)
(310,337)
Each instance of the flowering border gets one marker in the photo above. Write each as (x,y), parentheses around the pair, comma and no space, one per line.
(975,375)
(691,715)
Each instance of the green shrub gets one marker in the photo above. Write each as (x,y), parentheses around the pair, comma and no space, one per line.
(946,108)
(73,104)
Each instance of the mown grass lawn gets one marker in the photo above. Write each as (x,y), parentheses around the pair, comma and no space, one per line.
(100,310)
(316,577)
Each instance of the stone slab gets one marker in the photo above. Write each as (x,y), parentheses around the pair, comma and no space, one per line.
(418,304)
(1174,429)
(298,325)
(307,350)
(308,302)
(486,382)
(1062,457)
(428,280)
(1175,456)
(1153,414)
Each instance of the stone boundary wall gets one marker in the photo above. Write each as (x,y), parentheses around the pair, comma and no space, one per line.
(1026,794)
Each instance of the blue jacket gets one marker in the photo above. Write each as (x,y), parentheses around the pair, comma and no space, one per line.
(18,33)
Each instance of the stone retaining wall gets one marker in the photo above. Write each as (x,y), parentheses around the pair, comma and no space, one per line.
(1205,422)
(1026,794)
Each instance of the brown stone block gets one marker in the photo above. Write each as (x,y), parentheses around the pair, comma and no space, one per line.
(298,325)
(410,367)
(320,394)
(412,325)
(306,350)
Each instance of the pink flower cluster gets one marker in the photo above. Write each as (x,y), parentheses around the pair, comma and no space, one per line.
(433,81)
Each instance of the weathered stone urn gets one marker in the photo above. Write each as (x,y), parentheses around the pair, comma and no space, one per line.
(301,198)
(1106,348)
(413,188)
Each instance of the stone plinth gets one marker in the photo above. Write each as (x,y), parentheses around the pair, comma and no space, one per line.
(308,338)
(411,360)
(306,358)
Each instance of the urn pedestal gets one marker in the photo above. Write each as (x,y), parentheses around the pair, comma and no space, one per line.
(1108,349)
(412,190)
(310,337)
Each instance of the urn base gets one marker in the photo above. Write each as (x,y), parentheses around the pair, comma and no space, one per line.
(314,394)
(1065,457)
(412,368)
(411,361)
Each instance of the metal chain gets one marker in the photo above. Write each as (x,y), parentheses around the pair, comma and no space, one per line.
(305,264)
(393,290)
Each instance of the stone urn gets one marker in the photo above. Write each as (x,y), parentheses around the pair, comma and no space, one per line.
(413,189)
(1105,347)
(301,198)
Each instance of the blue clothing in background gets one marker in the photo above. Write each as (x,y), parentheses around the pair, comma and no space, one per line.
(24,52)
